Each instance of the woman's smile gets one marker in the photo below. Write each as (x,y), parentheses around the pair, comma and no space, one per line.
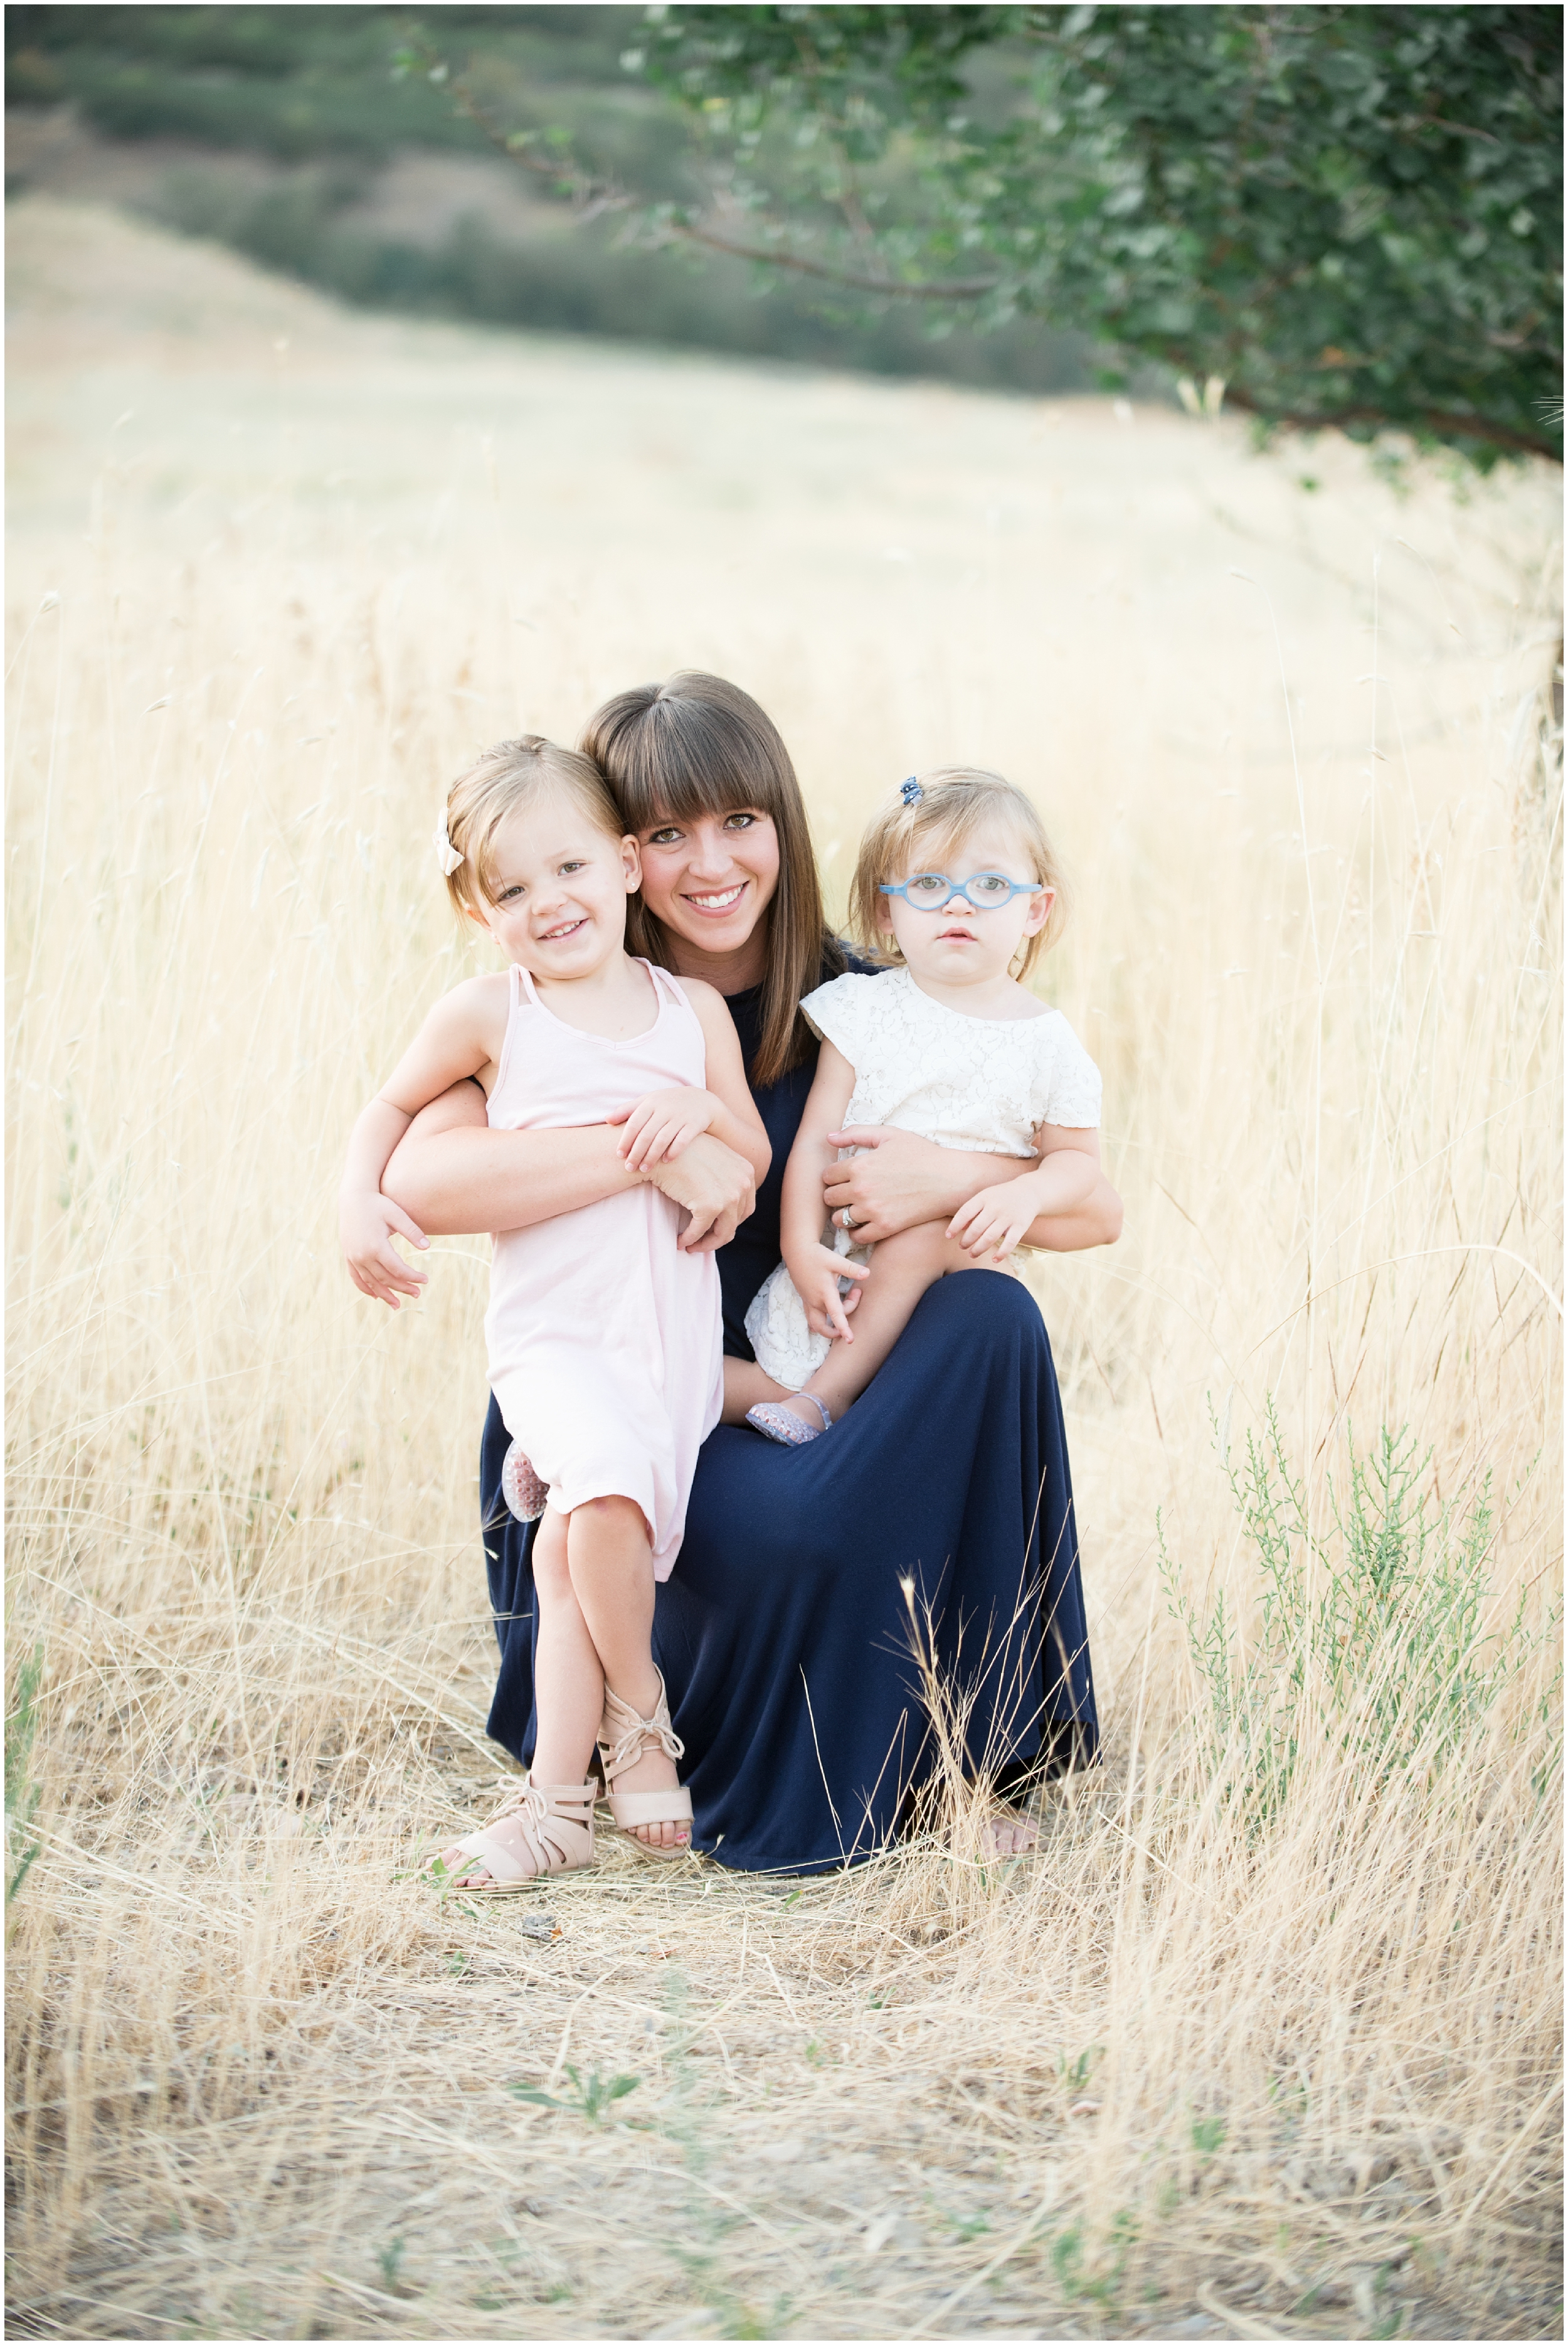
(716,901)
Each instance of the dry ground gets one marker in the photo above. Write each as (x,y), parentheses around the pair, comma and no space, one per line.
(1204,2066)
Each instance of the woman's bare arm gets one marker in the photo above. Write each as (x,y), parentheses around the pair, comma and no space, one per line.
(900,1180)
(454,1175)
(1096,1223)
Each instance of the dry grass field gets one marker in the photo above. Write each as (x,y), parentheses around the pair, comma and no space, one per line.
(1264,2042)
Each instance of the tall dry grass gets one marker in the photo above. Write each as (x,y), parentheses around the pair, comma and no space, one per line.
(1266,2065)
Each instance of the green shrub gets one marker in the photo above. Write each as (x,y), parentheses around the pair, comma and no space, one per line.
(1367,1626)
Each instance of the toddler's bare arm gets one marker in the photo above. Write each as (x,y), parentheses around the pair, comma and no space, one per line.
(815,1268)
(460,1038)
(998,1218)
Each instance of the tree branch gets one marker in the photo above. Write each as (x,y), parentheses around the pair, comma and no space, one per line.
(959,288)
(590,193)
(1451,427)
(590,196)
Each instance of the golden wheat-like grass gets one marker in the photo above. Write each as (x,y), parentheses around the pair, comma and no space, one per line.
(274,574)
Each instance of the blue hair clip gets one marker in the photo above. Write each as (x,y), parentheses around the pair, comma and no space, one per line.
(911,792)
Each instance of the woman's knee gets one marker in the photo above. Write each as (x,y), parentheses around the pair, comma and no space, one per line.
(991,1308)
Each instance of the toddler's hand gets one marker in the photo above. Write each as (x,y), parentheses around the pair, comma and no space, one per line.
(817,1276)
(993,1222)
(662,1123)
(717,1188)
(367,1223)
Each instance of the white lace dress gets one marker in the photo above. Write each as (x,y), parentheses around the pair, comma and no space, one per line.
(980,1084)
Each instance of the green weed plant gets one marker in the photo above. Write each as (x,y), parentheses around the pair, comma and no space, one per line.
(1369,1626)
(591,2098)
(22,1840)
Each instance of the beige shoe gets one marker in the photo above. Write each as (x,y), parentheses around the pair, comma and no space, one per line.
(623,1736)
(551,1830)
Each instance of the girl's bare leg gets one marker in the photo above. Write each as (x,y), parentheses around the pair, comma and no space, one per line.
(568,1675)
(569,1683)
(901,1268)
(745,1384)
(612,1567)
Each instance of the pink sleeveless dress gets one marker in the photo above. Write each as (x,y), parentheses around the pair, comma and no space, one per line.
(605,1341)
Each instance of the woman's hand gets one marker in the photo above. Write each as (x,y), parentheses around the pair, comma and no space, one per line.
(899,1180)
(662,1124)
(367,1224)
(717,1187)
(816,1271)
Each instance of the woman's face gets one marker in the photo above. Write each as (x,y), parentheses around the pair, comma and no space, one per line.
(710,879)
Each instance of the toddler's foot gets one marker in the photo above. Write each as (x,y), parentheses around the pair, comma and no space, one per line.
(543,1828)
(638,1755)
(654,1772)
(790,1421)
(521,1487)
(1011,1835)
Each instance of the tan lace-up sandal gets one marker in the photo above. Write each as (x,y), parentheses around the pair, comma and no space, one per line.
(554,1823)
(623,1736)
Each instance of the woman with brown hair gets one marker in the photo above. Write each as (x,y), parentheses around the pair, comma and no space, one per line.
(944,1499)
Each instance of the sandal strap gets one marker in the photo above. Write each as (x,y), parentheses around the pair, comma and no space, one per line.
(544,1799)
(783,1425)
(556,1825)
(629,1807)
(639,1736)
(634,1734)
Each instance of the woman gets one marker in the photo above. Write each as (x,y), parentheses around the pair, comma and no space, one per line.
(940,1513)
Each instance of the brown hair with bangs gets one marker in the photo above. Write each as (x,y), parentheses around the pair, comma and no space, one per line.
(954,802)
(695,744)
(510,775)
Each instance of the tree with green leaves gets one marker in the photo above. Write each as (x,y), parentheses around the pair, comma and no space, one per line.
(1331,216)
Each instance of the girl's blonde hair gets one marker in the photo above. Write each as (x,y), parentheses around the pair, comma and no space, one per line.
(510,775)
(696,745)
(953,803)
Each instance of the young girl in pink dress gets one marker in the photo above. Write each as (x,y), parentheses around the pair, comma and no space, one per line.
(603,1333)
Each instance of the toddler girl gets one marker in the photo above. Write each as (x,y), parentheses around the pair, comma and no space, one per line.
(958,883)
(603,1333)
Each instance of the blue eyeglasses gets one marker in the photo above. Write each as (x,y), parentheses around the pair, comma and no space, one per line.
(983,891)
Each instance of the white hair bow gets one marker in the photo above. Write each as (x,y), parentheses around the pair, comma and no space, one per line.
(447,855)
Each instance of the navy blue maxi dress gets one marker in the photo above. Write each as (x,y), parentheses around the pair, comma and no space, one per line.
(785,1634)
